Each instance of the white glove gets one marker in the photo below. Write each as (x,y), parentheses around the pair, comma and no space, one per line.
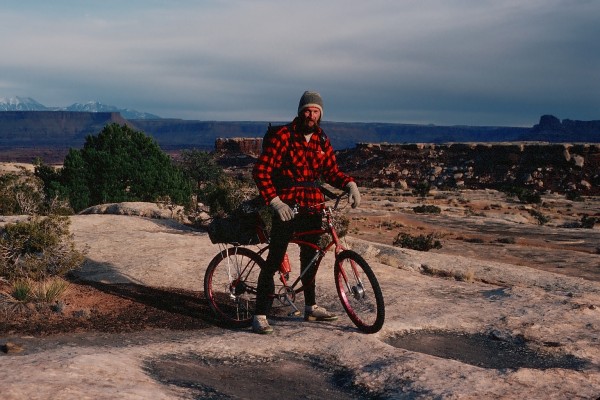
(283,210)
(353,194)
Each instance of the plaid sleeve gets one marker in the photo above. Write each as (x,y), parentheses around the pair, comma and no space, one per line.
(269,160)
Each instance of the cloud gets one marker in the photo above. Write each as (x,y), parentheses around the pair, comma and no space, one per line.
(488,62)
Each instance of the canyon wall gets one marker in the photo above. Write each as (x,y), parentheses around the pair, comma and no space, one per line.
(543,167)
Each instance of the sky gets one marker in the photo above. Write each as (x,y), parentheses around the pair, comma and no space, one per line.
(443,62)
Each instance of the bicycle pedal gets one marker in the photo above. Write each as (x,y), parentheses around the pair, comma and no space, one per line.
(294,313)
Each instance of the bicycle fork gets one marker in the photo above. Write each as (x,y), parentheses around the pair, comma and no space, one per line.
(357,290)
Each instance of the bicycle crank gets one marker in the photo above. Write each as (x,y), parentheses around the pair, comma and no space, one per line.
(287,298)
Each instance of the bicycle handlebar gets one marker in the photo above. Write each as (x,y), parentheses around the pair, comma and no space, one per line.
(328,193)
(333,196)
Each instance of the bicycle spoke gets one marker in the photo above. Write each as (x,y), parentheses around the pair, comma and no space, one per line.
(359,292)
(230,285)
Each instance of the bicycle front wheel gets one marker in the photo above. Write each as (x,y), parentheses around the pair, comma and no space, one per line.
(230,285)
(359,291)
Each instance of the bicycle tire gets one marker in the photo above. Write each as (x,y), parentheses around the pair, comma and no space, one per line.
(230,285)
(359,291)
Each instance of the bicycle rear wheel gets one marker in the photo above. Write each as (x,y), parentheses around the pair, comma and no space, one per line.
(230,285)
(359,291)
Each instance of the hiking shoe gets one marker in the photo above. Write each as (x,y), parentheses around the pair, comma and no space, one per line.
(260,325)
(316,313)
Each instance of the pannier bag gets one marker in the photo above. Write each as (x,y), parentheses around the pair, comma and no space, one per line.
(243,226)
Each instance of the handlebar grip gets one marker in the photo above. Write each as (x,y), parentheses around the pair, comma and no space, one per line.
(329,193)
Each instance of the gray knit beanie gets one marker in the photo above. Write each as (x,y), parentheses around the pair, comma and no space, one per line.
(310,99)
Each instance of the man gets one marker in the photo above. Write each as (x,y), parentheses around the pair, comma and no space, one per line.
(294,158)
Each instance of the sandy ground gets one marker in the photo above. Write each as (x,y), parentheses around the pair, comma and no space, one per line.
(552,318)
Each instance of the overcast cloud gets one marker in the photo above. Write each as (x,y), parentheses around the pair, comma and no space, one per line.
(475,62)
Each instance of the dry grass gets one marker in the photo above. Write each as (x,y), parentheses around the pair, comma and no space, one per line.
(463,276)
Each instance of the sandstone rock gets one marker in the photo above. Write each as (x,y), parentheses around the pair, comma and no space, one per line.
(142,209)
(11,348)
(579,160)
(250,146)
(437,170)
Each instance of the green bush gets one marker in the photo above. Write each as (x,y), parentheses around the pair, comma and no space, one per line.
(119,164)
(200,166)
(421,242)
(39,248)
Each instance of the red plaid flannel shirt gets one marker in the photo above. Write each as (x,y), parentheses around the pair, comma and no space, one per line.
(288,157)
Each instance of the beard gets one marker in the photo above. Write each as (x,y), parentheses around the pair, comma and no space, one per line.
(308,125)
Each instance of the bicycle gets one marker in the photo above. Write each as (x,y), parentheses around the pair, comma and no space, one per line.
(231,277)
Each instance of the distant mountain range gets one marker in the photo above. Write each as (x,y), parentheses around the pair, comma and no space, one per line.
(28,104)
(27,124)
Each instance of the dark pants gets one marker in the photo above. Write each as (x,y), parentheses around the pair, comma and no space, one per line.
(281,234)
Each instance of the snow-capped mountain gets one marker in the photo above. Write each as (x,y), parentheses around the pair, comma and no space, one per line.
(20,104)
(96,106)
(29,104)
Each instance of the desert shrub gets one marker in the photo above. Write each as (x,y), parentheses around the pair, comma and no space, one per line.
(427,209)
(46,291)
(39,248)
(506,240)
(541,218)
(588,222)
(420,242)
(21,194)
(225,195)
(119,164)
(474,240)
(49,290)
(530,197)
(21,290)
(57,200)
(466,276)
(341,224)
(221,193)
(422,189)
(389,225)
(524,195)
(573,195)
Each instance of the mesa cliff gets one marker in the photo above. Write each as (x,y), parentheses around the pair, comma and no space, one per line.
(559,168)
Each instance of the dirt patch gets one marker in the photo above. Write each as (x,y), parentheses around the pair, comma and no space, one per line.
(253,379)
(109,308)
(491,350)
